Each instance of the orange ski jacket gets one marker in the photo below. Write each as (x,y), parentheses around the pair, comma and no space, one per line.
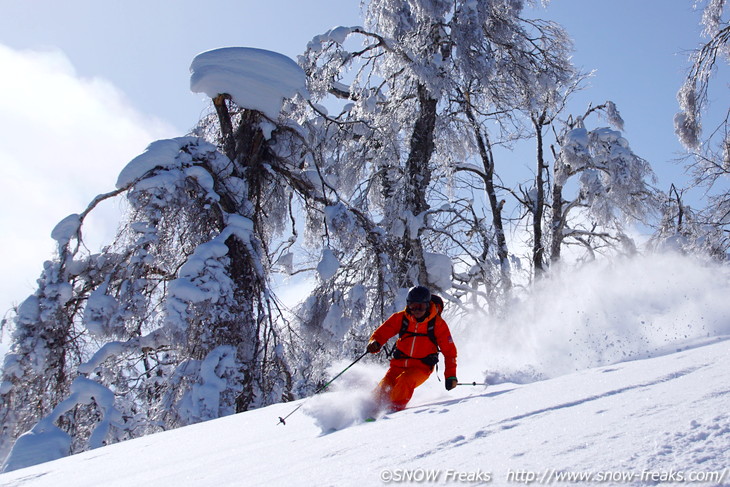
(416,347)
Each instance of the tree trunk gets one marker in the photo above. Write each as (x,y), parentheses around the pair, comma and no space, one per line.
(557,225)
(538,205)
(246,147)
(485,152)
(224,118)
(418,177)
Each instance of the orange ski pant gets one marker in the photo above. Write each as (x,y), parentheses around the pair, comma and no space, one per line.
(397,387)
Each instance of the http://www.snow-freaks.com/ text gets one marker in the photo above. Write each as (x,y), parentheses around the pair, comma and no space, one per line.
(548,476)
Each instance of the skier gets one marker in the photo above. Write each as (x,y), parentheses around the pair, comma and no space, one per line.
(422,334)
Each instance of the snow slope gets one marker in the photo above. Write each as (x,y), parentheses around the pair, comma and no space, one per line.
(633,423)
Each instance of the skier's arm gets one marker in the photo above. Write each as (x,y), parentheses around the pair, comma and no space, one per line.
(385,332)
(448,348)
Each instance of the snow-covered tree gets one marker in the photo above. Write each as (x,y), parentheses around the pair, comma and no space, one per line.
(377,155)
(709,148)
(419,91)
(683,229)
(693,95)
(38,371)
(612,188)
(175,319)
(513,73)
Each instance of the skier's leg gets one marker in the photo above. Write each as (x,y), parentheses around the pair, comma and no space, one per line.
(383,390)
(405,383)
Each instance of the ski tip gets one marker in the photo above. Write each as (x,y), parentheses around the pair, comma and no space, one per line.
(369,420)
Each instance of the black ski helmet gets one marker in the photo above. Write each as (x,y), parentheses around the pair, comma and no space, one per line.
(418,294)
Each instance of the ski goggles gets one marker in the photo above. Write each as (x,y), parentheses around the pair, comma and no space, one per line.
(418,306)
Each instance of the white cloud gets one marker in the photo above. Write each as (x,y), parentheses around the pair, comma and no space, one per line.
(63,140)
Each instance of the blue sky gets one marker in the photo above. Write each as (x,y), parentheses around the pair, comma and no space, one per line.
(87,84)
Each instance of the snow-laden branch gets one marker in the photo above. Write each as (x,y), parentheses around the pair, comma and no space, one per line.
(54,443)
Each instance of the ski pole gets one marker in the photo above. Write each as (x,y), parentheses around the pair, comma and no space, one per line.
(283,420)
(472,384)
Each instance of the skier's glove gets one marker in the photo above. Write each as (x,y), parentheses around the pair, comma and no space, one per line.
(373,347)
(451,383)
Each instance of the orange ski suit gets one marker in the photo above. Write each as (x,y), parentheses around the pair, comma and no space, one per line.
(409,372)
